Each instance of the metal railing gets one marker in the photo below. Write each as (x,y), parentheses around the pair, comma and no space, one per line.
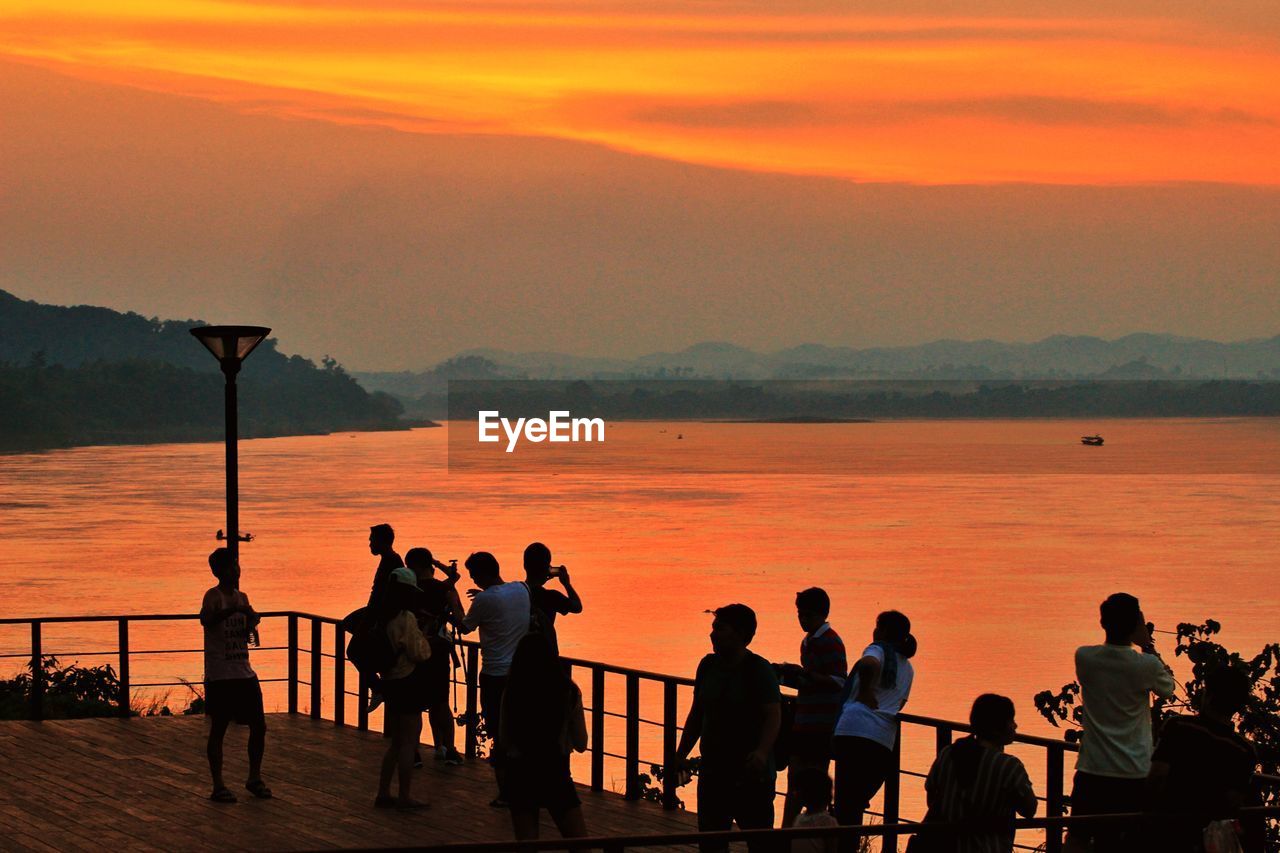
(633,714)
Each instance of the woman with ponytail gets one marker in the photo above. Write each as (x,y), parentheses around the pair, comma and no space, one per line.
(878,686)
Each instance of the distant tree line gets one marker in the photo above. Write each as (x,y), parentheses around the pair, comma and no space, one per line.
(51,405)
(707,399)
(86,375)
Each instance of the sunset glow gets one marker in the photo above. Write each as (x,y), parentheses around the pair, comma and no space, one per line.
(927,98)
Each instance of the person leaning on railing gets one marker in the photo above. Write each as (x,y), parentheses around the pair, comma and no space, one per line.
(818,681)
(973,781)
(736,713)
(876,691)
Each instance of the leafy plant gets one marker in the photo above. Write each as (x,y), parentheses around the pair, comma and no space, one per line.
(70,692)
(483,741)
(651,783)
(77,692)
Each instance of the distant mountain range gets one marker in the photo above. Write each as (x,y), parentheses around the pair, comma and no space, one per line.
(1137,356)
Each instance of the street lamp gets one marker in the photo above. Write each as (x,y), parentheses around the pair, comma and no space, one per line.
(231,345)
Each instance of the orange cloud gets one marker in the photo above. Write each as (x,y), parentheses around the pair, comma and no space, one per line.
(925,98)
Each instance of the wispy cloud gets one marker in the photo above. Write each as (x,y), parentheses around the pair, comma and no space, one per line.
(1042,110)
(897,91)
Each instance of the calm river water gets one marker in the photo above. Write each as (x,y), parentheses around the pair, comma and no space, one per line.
(997,538)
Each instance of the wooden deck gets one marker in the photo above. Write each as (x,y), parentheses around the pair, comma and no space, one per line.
(143,784)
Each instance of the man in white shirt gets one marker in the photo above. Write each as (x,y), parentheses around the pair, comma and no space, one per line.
(501,612)
(1116,684)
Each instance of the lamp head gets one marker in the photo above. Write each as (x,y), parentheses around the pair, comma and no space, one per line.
(230,345)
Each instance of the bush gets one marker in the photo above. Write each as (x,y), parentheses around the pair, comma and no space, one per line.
(75,692)
(70,692)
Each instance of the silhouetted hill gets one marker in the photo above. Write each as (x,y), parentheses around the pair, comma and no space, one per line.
(87,375)
(1133,357)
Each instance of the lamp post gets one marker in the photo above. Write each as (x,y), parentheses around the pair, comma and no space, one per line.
(231,345)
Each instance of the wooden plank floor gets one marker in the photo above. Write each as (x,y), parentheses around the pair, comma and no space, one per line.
(143,784)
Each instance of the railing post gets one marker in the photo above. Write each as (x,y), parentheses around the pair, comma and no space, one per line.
(597,729)
(362,704)
(1053,797)
(473,701)
(670,774)
(293,663)
(339,675)
(632,752)
(124,668)
(317,657)
(37,673)
(943,736)
(893,792)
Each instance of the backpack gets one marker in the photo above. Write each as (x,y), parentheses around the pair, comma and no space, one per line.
(369,650)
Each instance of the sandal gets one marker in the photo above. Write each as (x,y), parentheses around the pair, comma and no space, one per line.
(258,788)
(222,795)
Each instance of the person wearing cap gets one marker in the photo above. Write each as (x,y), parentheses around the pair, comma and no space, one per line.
(403,687)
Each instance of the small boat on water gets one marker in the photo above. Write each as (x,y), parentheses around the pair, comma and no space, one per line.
(1091,440)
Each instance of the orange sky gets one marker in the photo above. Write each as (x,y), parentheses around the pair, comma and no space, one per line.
(1141,94)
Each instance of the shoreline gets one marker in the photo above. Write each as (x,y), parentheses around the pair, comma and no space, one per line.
(147,441)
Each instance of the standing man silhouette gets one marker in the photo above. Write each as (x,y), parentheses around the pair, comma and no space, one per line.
(231,689)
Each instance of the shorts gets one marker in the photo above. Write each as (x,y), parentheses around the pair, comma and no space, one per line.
(236,700)
(407,695)
(437,672)
(543,782)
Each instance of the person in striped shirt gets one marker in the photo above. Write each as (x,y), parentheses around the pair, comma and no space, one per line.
(974,781)
(819,681)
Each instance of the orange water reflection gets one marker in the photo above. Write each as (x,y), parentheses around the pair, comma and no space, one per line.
(1001,572)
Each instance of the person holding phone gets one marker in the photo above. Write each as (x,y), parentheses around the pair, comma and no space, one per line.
(537,571)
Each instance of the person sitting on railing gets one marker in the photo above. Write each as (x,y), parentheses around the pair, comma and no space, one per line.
(231,688)
(1202,770)
(381,541)
(818,680)
(736,714)
(812,788)
(542,725)
(438,608)
(877,689)
(404,687)
(501,612)
(974,781)
(1116,684)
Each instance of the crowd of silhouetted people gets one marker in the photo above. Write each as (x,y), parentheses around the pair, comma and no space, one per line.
(1195,775)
